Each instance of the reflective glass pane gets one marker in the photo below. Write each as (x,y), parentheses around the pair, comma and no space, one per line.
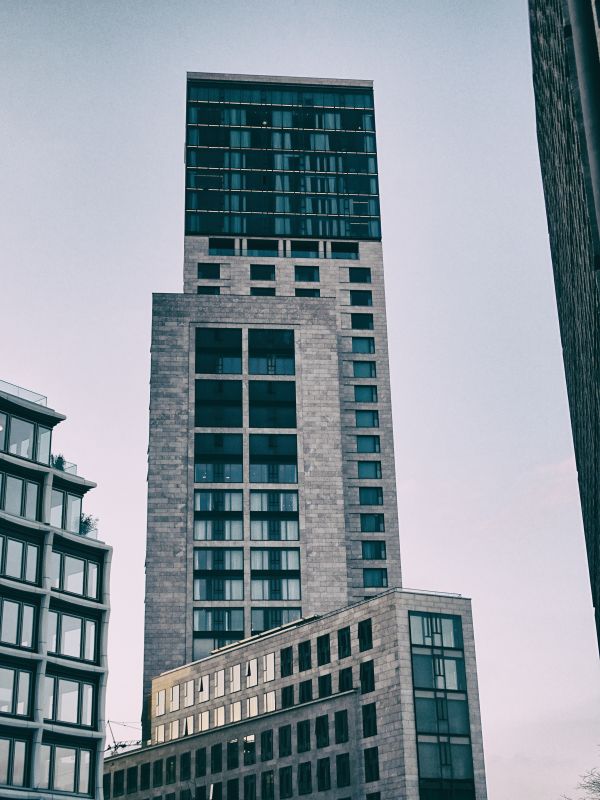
(44,766)
(43,445)
(4,748)
(85,760)
(31,501)
(7,682)
(92,583)
(2,431)
(10,619)
(14,558)
(23,693)
(54,569)
(56,506)
(87,695)
(18,771)
(52,631)
(64,769)
(48,698)
(20,440)
(13,496)
(73,513)
(90,640)
(71,636)
(27,627)
(31,563)
(73,572)
(68,697)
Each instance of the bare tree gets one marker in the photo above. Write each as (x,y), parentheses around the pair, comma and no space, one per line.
(589,785)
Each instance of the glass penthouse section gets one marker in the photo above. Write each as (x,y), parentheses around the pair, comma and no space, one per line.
(269,159)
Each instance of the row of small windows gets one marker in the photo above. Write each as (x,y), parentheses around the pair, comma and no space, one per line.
(279,118)
(206,223)
(270,248)
(68,573)
(300,182)
(229,92)
(266,161)
(23,438)
(21,497)
(263,202)
(68,635)
(293,140)
(61,768)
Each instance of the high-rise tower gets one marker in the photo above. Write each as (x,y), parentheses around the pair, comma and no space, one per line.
(271,466)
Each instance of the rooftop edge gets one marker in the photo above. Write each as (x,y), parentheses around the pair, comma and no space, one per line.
(281,79)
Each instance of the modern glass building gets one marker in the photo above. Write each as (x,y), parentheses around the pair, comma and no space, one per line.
(53,612)
(271,478)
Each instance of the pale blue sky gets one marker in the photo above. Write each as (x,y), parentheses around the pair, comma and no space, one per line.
(91,223)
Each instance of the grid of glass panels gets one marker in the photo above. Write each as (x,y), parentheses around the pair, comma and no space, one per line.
(265,160)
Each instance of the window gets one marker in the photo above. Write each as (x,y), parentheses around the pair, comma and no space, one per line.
(18,560)
(365,394)
(433,630)
(250,787)
(322,731)
(219,350)
(305,274)
(15,691)
(65,511)
(364,369)
(20,437)
(268,667)
(263,247)
(132,780)
(16,623)
(188,694)
(367,677)
(209,271)
(218,620)
(325,687)
(362,322)
(342,769)
(369,469)
(370,496)
(341,726)
(304,656)
(371,755)
(438,672)
(221,247)
(252,706)
(267,786)
(363,344)
(305,249)
(287,697)
(262,291)
(305,694)
(269,701)
(19,497)
(307,292)
(74,575)
(367,444)
(235,711)
(367,419)
(305,778)
(323,650)
(216,758)
(157,774)
(266,745)
(271,352)
(275,589)
(359,275)
(303,736)
(365,635)
(119,783)
(174,702)
(218,403)
(374,550)
(345,679)
(233,789)
(72,637)
(262,272)
(145,775)
(372,523)
(233,754)
(375,578)
(369,720)
(345,250)
(25,439)
(160,708)
(70,701)
(235,681)
(218,458)
(344,646)
(249,750)
(361,298)
(272,404)
(273,458)
(65,769)
(13,761)
(323,775)
(286,656)
(210,290)
(251,672)
(200,768)
(286,787)
(285,741)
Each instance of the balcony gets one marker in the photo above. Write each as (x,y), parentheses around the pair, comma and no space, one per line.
(58,462)
(24,394)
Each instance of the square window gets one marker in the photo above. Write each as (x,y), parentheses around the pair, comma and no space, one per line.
(366,419)
(209,271)
(373,551)
(370,495)
(365,394)
(362,322)
(359,275)
(375,578)
(364,369)
(306,274)
(372,523)
(367,444)
(363,344)
(369,469)
(361,298)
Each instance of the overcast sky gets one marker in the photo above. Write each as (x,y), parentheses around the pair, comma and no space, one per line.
(91,223)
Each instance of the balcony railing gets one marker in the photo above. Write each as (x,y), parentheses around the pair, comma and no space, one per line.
(24,394)
(59,462)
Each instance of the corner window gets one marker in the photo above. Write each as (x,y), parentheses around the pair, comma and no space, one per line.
(65,511)
(71,636)
(74,575)
(69,701)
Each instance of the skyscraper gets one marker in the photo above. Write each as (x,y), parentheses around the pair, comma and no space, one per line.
(565,37)
(275,624)
(53,612)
